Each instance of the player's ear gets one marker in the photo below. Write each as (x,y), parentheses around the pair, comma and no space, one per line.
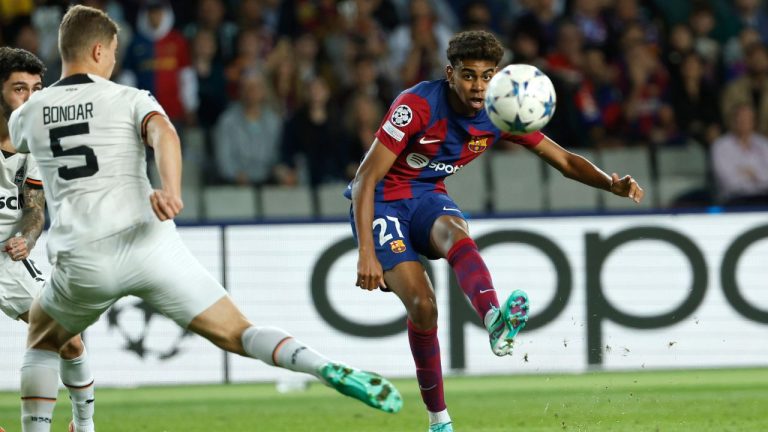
(96,52)
(448,72)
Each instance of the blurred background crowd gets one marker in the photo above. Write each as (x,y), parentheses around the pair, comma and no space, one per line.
(291,92)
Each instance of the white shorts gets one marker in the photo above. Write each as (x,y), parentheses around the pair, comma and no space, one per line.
(149,261)
(20,283)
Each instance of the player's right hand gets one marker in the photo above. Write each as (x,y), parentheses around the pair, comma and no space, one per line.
(369,272)
(165,205)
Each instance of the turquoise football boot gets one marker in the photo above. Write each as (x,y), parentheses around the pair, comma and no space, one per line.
(508,322)
(367,387)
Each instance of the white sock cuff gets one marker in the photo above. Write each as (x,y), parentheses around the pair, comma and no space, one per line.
(76,373)
(263,342)
(41,358)
(439,417)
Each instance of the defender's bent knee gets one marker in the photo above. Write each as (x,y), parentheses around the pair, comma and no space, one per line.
(72,349)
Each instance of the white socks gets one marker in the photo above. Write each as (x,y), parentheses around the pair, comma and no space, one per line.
(39,388)
(77,377)
(275,347)
(439,417)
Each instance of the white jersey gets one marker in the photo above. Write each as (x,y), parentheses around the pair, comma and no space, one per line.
(15,170)
(86,134)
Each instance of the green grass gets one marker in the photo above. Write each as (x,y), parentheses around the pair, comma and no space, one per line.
(699,400)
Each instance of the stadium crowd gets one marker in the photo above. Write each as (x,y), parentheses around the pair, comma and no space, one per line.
(291,92)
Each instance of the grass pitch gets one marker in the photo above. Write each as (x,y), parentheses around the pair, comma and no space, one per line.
(699,400)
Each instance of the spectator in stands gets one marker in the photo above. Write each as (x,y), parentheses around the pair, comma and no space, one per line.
(734,53)
(752,14)
(367,80)
(598,102)
(702,22)
(740,161)
(361,120)
(212,83)
(210,16)
(212,92)
(362,35)
(588,16)
(567,58)
(297,17)
(645,84)
(477,16)
(677,48)
(694,101)
(418,47)
(251,54)
(752,88)
(247,135)
(540,22)
(624,13)
(313,137)
(158,60)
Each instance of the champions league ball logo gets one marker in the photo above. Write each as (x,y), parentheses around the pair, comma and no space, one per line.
(146,332)
(402,116)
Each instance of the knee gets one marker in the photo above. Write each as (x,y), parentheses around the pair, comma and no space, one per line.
(72,349)
(423,312)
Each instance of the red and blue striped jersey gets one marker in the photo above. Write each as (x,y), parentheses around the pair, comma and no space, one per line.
(432,141)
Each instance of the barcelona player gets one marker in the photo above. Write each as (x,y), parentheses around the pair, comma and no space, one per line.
(400,208)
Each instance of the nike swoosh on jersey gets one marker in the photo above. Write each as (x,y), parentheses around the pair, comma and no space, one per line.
(423,140)
(451,209)
(485,290)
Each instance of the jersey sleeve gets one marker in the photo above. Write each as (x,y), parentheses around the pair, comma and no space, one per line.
(528,140)
(33,179)
(145,106)
(407,116)
(15,132)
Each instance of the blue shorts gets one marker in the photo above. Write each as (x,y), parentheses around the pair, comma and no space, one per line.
(401,229)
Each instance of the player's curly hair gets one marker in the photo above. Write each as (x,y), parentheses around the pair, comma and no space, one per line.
(19,60)
(474,45)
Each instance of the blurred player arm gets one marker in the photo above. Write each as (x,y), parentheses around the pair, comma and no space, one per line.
(374,167)
(32,222)
(161,136)
(580,169)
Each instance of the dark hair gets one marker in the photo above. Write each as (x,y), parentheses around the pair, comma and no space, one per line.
(19,60)
(474,45)
(81,27)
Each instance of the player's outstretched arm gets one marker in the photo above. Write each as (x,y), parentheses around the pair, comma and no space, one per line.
(580,169)
(374,167)
(161,135)
(32,221)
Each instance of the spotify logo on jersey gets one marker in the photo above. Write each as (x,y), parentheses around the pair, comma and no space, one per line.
(417,160)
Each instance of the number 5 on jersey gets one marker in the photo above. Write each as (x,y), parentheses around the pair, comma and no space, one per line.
(91,166)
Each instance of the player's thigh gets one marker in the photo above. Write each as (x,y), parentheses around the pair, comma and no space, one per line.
(83,284)
(391,234)
(409,280)
(446,231)
(20,283)
(171,279)
(437,223)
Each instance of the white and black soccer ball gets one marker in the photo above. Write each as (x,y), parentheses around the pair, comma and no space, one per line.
(520,99)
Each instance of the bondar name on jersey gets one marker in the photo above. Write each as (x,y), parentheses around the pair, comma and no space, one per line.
(55,114)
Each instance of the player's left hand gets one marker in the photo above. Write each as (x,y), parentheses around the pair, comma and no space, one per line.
(17,248)
(165,205)
(626,187)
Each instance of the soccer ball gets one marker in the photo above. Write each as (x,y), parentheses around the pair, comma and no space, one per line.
(520,99)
